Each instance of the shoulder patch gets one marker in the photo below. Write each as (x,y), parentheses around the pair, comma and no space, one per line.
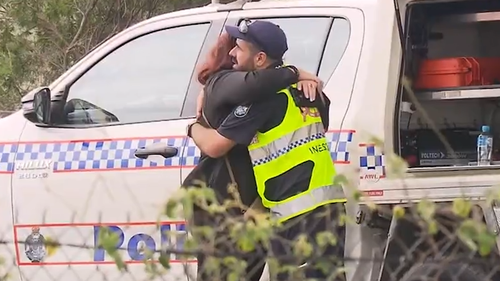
(241,111)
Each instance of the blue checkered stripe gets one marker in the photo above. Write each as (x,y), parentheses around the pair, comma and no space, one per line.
(338,143)
(371,159)
(190,153)
(7,154)
(101,155)
(286,149)
(119,154)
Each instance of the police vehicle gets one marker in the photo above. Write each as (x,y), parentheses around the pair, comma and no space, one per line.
(105,144)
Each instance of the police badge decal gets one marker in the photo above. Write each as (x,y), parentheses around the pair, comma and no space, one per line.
(34,246)
(241,111)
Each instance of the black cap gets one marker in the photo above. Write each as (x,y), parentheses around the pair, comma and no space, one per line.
(266,35)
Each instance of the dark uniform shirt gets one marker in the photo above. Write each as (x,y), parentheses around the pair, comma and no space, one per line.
(223,92)
(262,116)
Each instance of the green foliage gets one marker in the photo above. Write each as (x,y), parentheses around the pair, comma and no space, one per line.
(476,236)
(427,210)
(108,241)
(462,207)
(468,230)
(40,39)
(398,212)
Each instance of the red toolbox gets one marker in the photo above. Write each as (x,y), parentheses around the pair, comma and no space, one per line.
(490,70)
(457,72)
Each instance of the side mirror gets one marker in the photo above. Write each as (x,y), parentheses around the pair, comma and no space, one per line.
(36,106)
(41,106)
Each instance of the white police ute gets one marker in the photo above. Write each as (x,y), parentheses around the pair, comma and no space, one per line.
(104,145)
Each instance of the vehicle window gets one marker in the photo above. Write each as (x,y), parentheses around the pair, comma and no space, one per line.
(144,80)
(335,47)
(307,37)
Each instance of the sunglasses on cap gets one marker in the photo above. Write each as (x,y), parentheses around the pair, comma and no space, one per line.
(243,28)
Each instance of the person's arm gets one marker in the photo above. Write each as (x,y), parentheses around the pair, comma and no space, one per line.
(239,127)
(209,141)
(242,87)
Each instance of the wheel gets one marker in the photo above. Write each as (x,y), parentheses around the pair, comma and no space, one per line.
(444,272)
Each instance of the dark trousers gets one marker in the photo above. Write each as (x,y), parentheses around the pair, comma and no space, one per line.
(219,246)
(325,259)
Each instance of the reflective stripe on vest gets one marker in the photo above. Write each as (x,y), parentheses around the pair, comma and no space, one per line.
(286,143)
(308,201)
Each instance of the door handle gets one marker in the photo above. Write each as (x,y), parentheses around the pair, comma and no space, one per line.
(159,148)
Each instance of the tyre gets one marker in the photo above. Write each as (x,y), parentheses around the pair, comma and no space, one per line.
(444,272)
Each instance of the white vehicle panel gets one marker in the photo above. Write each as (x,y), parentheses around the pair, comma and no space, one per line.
(13,124)
(76,196)
(368,107)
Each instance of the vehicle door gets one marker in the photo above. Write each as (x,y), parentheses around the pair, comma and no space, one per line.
(82,174)
(325,41)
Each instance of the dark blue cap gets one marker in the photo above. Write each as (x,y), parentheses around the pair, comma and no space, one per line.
(265,35)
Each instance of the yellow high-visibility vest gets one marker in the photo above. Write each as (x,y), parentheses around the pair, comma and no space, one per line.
(291,143)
